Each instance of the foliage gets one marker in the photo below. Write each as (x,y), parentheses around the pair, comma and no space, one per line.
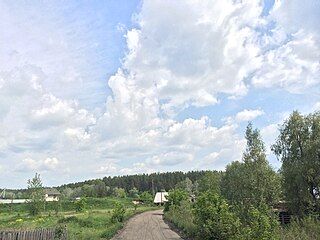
(80,205)
(119,192)
(214,219)
(301,229)
(134,193)
(146,197)
(297,147)
(210,182)
(253,181)
(37,200)
(118,213)
(175,197)
(182,216)
(258,223)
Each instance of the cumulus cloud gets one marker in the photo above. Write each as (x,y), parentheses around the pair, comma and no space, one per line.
(48,164)
(248,115)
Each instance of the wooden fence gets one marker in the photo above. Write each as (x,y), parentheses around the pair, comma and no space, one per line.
(37,234)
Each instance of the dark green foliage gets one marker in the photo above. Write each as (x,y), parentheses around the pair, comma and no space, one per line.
(175,197)
(257,222)
(252,182)
(214,219)
(118,213)
(146,197)
(298,148)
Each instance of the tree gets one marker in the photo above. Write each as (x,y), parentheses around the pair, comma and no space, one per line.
(298,149)
(100,188)
(134,193)
(146,197)
(186,185)
(214,218)
(119,192)
(37,200)
(253,181)
(175,197)
(210,182)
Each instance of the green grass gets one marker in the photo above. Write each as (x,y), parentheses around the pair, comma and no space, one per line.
(94,223)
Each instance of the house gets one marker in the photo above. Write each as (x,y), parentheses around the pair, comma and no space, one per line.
(160,197)
(51,195)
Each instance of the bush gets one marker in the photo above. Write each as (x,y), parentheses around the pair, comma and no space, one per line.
(182,217)
(214,219)
(175,197)
(80,205)
(118,213)
(258,223)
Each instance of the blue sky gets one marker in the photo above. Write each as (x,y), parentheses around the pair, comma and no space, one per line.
(96,88)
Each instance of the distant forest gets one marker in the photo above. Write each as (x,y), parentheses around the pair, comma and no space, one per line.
(143,182)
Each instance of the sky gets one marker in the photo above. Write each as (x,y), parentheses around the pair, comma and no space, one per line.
(102,88)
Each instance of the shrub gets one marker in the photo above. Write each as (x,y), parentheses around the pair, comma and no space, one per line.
(118,213)
(175,197)
(258,223)
(80,205)
(214,219)
(182,216)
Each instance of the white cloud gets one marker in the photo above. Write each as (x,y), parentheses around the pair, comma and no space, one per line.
(292,53)
(29,164)
(248,115)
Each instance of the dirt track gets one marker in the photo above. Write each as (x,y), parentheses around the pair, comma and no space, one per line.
(147,226)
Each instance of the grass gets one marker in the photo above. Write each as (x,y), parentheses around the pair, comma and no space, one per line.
(94,223)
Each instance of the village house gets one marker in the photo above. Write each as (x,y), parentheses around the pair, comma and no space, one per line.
(51,195)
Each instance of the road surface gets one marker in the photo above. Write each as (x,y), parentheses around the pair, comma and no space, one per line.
(147,226)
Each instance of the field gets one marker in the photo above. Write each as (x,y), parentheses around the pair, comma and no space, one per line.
(93,223)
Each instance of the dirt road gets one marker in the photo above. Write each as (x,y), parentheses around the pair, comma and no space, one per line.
(147,226)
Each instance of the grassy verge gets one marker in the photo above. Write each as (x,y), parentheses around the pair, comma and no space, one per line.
(92,224)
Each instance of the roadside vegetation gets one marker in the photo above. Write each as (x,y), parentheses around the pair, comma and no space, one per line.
(239,203)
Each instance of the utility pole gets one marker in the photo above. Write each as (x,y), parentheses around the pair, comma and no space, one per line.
(152,187)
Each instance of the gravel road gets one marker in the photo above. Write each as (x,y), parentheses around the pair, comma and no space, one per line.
(147,226)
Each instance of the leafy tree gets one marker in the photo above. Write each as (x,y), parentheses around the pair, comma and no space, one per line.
(119,192)
(186,185)
(214,218)
(36,199)
(100,188)
(210,182)
(252,182)
(146,197)
(175,197)
(297,147)
(134,193)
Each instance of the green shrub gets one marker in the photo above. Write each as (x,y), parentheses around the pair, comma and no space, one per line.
(182,216)
(118,213)
(175,197)
(258,223)
(214,218)
(80,205)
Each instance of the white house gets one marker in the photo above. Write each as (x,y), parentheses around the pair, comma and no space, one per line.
(51,195)
(161,197)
